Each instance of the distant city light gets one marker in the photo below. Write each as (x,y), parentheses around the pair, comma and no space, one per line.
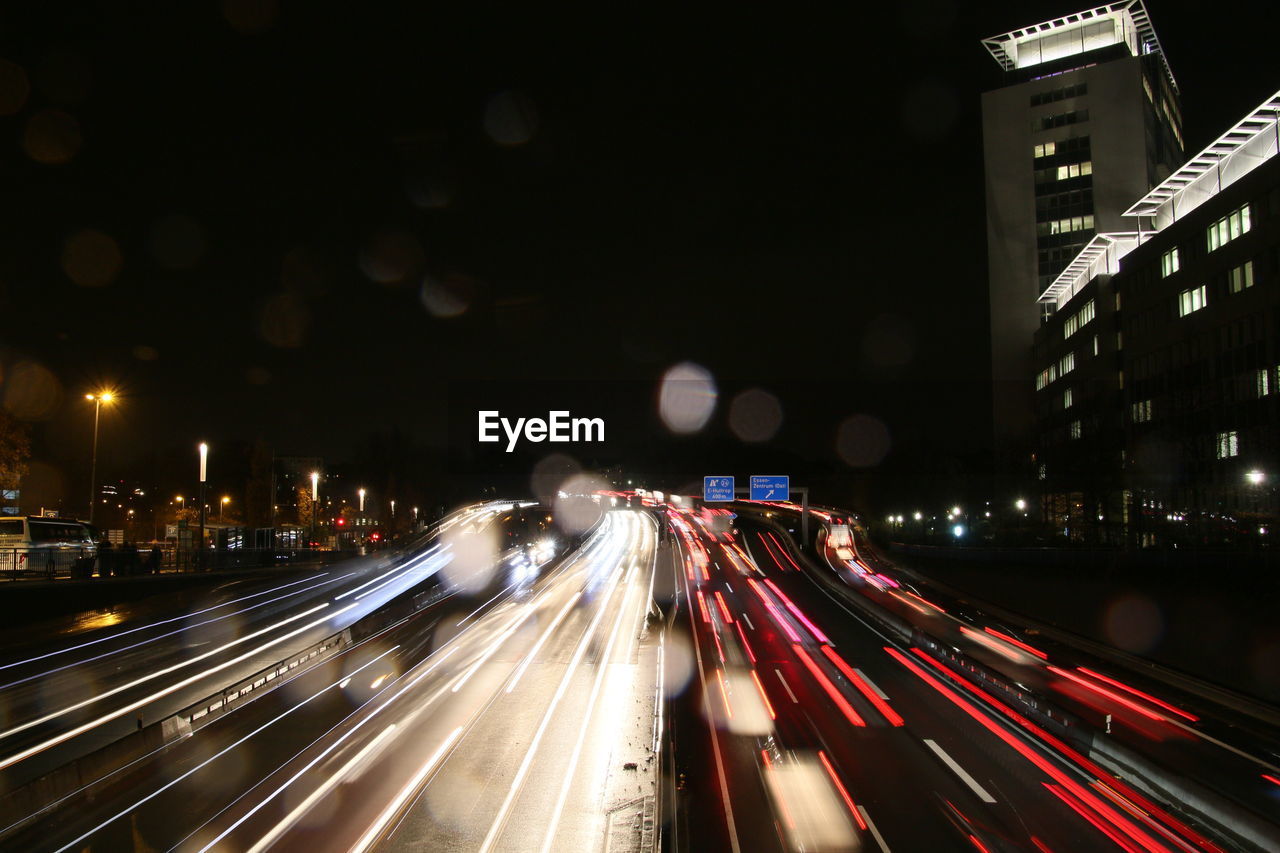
(957,531)
(1020,504)
(918,516)
(1256,477)
(955,510)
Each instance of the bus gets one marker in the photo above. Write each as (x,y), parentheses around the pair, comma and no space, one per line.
(46,547)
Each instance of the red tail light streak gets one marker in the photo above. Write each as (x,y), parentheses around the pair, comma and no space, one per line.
(863,688)
(832,691)
(844,794)
(813,629)
(1017,642)
(1186,715)
(773,611)
(1130,830)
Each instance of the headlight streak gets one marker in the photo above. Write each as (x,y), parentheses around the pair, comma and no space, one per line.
(387,701)
(319,793)
(156,625)
(372,833)
(546,635)
(81,729)
(159,636)
(407,565)
(214,757)
(602,669)
(563,687)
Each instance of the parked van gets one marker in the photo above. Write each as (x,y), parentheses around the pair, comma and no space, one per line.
(46,547)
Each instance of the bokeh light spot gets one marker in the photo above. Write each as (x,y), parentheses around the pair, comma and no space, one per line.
(14,87)
(862,441)
(755,415)
(51,137)
(510,118)
(91,258)
(686,397)
(31,391)
(283,320)
(1134,623)
(391,257)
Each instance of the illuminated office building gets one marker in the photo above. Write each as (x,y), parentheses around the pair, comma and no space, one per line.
(1087,119)
(1157,372)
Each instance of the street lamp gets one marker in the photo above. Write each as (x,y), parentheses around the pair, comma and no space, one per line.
(315,502)
(1020,504)
(204,507)
(226,499)
(98,399)
(361,493)
(1256,477)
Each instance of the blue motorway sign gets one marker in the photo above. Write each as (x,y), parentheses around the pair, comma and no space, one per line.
(717,488)
(770,487)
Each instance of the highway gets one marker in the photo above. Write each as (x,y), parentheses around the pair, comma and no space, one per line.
(674,679)
(65,698)
(823,730)
(519,715)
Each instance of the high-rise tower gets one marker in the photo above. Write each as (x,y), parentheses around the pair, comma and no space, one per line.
(1087,120)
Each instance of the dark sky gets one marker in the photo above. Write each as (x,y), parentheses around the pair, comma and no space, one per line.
(304,221)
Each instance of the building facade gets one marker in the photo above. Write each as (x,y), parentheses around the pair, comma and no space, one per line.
(1087,120)
(1157,369)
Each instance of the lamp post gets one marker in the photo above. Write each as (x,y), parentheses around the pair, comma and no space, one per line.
(204,470)
(361,493)
(315,503)
(226,499)
(98,399)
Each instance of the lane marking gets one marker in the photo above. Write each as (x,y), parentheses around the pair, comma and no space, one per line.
(871,684)
(747,619)
(961,772)
(778,672)
(875,832)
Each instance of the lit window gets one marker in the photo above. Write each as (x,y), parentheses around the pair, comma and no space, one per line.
(1241,277)
(1041,472)
(1046,376)
(1264,382)
(1079,319)
(1066,399)
(1141,412)
(1169,263)
(1095,344)
(1066,364)
(1192,300)
(1228,445)
(1046,150)
(1229,227)
(1075,429)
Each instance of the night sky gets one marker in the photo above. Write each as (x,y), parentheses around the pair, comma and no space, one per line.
(313,224)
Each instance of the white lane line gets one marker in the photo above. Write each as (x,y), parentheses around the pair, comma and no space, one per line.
(747,619)
(871,684)
(960,771)
(220,753)
(875,832)
(786,686)
(157,624)
(172,688)
(372,833)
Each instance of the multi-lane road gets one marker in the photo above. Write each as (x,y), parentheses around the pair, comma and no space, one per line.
(660,680)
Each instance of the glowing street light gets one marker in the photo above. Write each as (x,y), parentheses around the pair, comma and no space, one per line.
(955,510)
(1020,504)
(1256,477)
(204,506)
(917,515)
(226,499)
(98,399)
(361,493)
(315,501)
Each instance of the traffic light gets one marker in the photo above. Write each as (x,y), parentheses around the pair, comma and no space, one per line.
(342,522)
